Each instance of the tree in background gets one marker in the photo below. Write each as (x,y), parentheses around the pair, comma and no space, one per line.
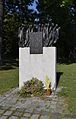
(1,19)
(62,12)
(16,13)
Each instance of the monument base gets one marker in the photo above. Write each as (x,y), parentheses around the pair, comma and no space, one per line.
(37,65)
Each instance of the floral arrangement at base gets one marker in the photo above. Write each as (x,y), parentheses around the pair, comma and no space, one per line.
(33,87)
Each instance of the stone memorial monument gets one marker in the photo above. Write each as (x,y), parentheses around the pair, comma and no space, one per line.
(37,55)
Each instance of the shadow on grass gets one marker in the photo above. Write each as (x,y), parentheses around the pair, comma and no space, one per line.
(12,62)
(9,64)
(66,61)
(6,67)
(58,75)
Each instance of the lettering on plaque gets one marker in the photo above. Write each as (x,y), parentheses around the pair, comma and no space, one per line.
(36,43)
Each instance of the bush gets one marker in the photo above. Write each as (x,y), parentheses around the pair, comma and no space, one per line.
(33,87)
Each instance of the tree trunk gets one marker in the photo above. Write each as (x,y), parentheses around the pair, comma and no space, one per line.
(1,19)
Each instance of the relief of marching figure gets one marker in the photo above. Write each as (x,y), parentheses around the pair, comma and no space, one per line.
(50,34)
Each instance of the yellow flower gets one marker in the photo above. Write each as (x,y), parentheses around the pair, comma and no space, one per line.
(47,82)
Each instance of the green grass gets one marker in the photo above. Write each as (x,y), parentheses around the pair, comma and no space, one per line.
(8,78)
(68,81)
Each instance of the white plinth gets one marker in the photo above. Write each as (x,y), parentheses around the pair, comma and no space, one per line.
(37,65)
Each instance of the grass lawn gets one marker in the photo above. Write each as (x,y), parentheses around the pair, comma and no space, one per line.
(68,81)
(8,78)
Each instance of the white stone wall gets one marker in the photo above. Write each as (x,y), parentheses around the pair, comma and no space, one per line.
(37,65)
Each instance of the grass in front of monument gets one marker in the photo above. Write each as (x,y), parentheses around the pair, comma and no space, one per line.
(68,82)
(9,76)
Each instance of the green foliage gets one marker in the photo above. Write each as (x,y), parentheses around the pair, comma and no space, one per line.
(16,13)
(32,87)
(20,7)
(1,20)
(10,35)
(59,11)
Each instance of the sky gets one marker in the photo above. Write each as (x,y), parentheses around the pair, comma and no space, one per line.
(33,6)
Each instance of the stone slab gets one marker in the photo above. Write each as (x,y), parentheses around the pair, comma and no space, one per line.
(27,115)
(18,114)
(34,116)
(39,66)
(24,118)
(3,117)
(1,111)
(8,113)
(44,117)
(13,117)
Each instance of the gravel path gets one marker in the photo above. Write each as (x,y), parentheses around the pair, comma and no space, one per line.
(14,107)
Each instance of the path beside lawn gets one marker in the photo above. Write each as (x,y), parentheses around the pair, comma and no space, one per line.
(12,106)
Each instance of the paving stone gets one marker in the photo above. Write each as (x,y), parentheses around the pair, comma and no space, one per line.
(27,115)
(56,116)
(10,102)
(1,111)
(70,116)
(44,117)
(30,110)
(45,113)
(13,117)
(0,107)
(12,109)
(23,108)
(3,117)
(1,100)
(24,118)
(37,110)
(34,116)
(35,103)
(8,113)
(20,109)
(18,114)
(5,107)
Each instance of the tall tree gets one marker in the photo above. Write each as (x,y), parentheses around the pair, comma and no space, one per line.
(16,13)
(1,19)
(62,12)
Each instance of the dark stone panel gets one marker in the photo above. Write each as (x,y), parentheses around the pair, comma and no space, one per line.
(36,43)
